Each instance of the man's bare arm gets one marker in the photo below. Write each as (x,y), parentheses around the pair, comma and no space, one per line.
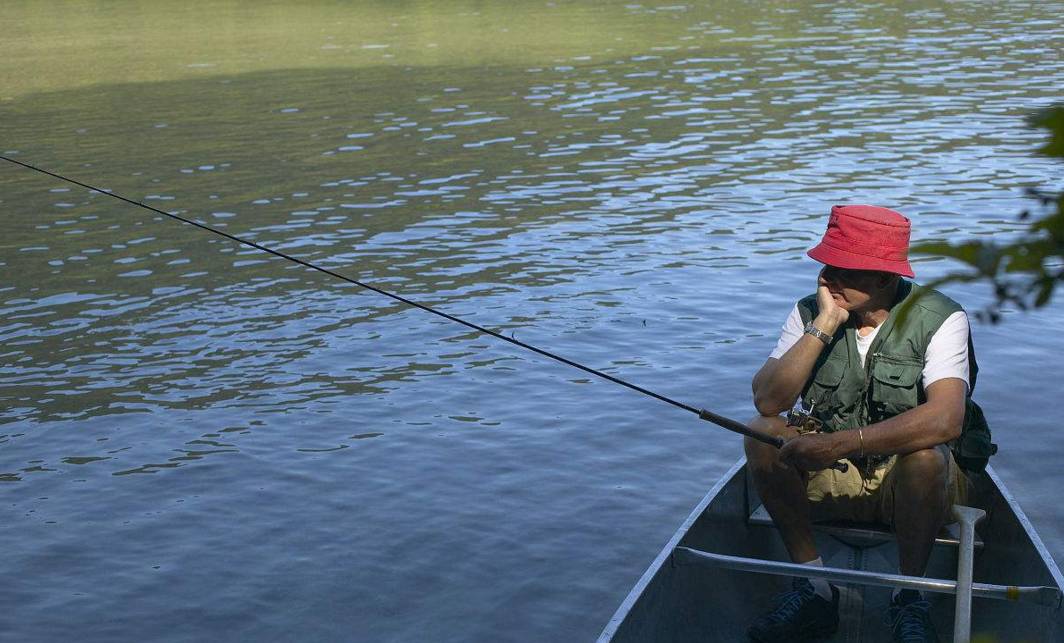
(780,381)
(777,385)
(936,421)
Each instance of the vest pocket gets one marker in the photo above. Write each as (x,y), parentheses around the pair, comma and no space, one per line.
(825,394)
(894,385)
(830,373)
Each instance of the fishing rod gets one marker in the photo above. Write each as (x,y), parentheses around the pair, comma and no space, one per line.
(704,414)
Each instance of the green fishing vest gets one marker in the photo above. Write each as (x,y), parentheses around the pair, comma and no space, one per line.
(843,395)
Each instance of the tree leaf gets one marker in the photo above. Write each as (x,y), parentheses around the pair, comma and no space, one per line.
(1053,120)
(1019,272)
(974,253)
(1044,292)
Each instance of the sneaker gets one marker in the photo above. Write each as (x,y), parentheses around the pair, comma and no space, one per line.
(910,620)
(800,615)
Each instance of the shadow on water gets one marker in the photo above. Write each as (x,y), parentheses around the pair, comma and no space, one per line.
(328,165)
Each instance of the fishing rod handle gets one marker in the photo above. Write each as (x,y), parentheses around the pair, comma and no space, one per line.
(760,436)
(739,427)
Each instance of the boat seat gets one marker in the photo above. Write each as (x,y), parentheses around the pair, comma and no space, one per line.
(865,534)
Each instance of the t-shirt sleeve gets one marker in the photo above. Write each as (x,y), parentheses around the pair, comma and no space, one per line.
(947,352)
(791,332)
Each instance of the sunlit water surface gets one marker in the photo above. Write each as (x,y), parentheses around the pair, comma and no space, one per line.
(200,442)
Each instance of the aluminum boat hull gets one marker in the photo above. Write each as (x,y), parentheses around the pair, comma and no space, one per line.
(678,601)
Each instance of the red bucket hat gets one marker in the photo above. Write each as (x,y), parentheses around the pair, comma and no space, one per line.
(865,237)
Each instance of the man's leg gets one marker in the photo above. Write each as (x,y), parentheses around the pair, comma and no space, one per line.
(811,609)
(782,489)
(919,495)
(920,505)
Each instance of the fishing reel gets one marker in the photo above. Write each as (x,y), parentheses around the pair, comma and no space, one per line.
(804,421)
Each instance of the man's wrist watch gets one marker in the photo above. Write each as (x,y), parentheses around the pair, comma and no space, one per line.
(810,329)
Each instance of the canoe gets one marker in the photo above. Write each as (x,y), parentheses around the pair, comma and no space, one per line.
(726,562)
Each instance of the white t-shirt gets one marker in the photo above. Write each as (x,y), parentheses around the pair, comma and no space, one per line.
(947,352)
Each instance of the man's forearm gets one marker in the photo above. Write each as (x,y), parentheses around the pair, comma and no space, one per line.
(922,427)
(779,382)
(934,422)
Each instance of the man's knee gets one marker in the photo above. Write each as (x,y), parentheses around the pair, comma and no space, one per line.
(923,467)
(771,424)
(758,452)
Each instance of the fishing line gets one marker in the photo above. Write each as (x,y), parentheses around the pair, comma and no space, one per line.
(709,416)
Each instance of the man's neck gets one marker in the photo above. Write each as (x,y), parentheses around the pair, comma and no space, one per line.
(866,322)
(875,312)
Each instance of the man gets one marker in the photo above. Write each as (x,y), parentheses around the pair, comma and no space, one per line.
(890,395)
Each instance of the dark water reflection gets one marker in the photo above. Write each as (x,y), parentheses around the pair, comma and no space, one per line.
(203,442)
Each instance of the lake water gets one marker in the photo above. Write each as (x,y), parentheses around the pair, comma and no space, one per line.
(199,442)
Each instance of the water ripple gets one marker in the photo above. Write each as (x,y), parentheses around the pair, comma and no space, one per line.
(641,205)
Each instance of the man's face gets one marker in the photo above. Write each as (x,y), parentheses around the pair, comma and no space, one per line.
(853,289)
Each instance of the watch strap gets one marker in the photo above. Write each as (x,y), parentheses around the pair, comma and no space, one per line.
(810,329)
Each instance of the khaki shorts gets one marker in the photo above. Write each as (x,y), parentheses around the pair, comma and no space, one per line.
(835,495)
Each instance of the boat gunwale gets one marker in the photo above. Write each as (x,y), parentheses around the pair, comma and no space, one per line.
(1028,528)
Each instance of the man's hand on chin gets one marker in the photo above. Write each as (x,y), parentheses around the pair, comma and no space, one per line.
(831,316)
